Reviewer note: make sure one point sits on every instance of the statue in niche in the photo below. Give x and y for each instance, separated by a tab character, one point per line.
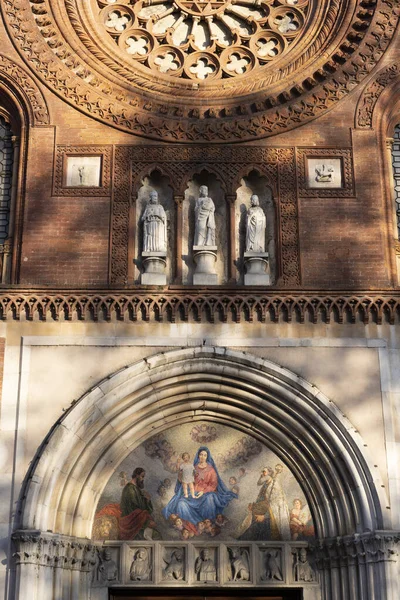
302	568
204	566
174	568
272	568
141	565
107	568
154	226
240	564
204	233
255	226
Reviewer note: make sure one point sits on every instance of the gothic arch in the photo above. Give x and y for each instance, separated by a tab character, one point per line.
276	406
25	94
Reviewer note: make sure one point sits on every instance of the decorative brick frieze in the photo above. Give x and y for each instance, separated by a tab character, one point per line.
226	304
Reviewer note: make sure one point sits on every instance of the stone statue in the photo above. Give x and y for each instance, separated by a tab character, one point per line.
204	566
174	569
141	566
302	568
107	568
154	226
204	233
255	227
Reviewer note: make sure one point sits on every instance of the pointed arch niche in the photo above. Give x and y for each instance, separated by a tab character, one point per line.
154	179
257	184
256	398
216	191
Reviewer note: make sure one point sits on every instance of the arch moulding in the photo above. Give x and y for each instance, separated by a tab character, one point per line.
288	414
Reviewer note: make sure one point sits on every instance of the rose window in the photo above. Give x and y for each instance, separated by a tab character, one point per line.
204	39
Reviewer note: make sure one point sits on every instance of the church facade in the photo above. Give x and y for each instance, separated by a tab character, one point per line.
199	299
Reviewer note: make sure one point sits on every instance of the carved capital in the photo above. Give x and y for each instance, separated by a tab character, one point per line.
357	549
52	550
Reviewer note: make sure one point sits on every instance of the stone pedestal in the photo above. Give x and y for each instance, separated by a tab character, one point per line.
205	258
257	268
154	264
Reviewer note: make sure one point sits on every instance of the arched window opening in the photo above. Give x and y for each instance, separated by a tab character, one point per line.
7	163
396	174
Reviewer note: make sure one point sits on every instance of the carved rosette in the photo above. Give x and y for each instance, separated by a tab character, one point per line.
108	58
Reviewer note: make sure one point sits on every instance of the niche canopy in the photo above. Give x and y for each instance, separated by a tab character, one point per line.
204	40
200	71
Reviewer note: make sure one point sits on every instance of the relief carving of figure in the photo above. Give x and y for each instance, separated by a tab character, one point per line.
302	568
204	233
107	569
204	567
255	227
141	566
240	564
174	568
154	226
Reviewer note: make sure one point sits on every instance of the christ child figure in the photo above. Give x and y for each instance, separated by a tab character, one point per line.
186	475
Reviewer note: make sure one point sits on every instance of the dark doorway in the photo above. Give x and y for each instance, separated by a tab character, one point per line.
195	594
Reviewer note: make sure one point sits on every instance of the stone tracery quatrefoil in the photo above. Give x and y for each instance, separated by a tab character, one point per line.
213	38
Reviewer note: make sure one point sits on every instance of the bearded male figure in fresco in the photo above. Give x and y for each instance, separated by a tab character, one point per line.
136	522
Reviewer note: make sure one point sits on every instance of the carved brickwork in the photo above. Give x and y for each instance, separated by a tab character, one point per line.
346	189
230	164
108	88
36	104
371	94
227	304
59	187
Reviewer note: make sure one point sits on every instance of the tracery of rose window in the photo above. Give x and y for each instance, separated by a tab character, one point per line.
201	39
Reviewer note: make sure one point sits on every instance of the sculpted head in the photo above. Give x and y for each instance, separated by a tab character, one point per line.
203	191
254	200
141	554
153	196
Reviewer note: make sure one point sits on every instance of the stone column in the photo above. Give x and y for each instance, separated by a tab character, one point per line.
179	233
361	566
231	199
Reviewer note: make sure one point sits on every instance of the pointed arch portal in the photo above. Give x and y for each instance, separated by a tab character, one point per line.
286	413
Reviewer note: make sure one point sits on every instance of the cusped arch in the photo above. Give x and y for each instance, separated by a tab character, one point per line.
262	171
252	394
198	170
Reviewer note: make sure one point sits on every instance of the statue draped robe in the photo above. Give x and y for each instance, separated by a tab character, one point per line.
154	229
255	233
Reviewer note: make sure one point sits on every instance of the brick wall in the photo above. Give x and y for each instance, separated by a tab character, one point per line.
66	242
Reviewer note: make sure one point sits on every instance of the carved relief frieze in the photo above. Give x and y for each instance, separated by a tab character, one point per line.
36	104
101	82
230	165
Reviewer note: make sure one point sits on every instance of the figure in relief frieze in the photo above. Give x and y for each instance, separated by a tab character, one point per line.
107	568
255	226
204	567
175	567
204	233
302	568
154	225
141	565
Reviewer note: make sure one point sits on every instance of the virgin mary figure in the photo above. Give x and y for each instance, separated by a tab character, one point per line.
211	498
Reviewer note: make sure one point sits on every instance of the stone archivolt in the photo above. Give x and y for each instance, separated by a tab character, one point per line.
67	48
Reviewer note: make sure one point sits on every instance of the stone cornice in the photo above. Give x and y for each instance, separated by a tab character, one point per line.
181	304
